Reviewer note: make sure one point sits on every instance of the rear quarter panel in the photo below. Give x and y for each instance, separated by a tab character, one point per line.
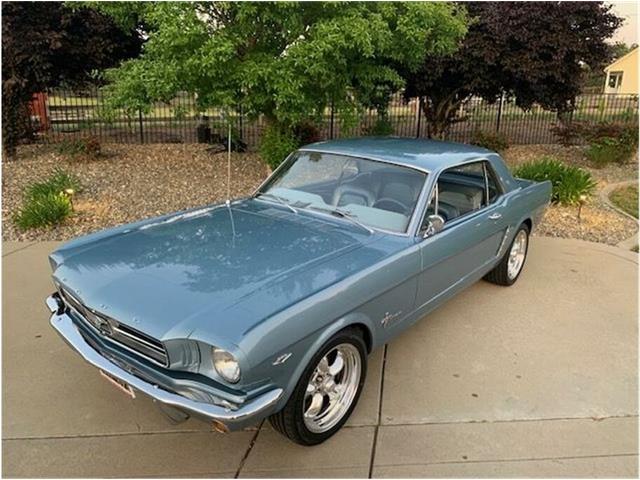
524	199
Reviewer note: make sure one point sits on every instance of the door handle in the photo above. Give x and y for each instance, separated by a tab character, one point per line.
495	216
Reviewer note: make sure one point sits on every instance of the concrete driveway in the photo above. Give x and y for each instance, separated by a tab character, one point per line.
536	380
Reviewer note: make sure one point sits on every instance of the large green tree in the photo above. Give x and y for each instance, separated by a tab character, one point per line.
46	44
534	51
284	60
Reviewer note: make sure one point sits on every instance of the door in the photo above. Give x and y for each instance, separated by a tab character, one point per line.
469	199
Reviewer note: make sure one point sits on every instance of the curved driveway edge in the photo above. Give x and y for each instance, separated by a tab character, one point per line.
632	241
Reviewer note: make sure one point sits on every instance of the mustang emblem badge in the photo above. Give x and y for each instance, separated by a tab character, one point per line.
389	317
281	359
104	327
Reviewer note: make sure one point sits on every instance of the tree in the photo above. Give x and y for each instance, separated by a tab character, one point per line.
46	44
285	60
533	51
594	79
620	49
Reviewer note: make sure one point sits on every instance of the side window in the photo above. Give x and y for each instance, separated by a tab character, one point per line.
615	79
463	189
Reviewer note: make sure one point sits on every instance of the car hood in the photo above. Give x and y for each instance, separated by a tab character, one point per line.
225	267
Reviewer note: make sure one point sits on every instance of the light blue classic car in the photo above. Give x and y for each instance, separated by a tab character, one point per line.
267	306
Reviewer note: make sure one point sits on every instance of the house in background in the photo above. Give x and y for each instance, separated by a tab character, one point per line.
622	75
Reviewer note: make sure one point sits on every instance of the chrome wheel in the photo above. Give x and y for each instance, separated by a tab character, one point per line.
332	387
517	254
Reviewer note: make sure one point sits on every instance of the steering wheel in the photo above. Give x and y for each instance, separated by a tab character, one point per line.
392	205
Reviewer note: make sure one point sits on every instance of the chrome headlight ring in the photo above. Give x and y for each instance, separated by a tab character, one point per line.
225	364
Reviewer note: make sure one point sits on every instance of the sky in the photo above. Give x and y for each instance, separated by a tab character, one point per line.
628	32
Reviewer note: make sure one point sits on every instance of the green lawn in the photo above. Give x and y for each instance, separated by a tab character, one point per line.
626	198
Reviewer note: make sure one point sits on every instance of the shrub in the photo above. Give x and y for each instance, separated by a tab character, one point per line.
381	128
220	136
607	148
47	203
608	142
568	133
276	144
44	210
568	183
600	130
58	182
491	141
306	132
88	147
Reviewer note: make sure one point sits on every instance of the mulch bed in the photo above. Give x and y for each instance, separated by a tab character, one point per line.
131	182
128	183
598	222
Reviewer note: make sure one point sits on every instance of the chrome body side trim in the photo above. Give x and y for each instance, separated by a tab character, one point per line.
244	415
500	251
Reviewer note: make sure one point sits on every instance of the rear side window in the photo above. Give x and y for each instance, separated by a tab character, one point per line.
493	187
464	189
461	190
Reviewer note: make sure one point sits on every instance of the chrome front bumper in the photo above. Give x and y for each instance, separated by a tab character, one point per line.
245	415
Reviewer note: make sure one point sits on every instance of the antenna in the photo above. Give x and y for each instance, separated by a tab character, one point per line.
229	164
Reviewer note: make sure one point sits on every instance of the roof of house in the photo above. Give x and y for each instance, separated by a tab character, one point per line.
618	60
429	155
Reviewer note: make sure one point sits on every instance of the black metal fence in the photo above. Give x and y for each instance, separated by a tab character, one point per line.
62	114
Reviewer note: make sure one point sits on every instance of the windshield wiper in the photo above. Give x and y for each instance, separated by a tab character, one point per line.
338	212
277	198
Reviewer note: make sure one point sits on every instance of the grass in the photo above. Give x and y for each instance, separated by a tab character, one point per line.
626	198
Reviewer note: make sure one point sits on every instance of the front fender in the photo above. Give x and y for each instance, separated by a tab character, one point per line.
312	344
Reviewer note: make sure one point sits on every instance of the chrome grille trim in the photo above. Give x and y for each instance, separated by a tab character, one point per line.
139	339
120	334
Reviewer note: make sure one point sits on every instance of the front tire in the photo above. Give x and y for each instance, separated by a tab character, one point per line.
508	270
327	391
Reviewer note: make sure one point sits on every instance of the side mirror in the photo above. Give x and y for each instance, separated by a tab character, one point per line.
435	223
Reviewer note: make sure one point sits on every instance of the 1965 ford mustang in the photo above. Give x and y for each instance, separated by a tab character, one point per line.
267	306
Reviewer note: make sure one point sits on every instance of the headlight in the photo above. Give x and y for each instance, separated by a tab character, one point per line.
226	365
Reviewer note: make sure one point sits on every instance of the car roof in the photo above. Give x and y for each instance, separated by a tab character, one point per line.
429	155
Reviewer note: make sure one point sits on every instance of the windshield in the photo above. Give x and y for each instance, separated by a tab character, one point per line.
370	193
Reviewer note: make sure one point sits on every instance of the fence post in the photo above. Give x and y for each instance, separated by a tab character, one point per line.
140	123
331	121
499	117
419	114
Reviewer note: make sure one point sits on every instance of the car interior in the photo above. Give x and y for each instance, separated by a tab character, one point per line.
382	195
462	190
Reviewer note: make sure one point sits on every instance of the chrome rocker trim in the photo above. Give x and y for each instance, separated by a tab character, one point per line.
245	415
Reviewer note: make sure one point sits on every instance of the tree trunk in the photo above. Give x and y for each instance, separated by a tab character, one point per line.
440	113
15	117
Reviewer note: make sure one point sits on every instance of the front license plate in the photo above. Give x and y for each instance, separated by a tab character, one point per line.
120	385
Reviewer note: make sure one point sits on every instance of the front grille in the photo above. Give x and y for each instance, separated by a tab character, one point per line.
118	333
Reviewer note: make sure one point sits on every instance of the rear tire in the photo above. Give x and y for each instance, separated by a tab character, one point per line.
308	418
508	270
